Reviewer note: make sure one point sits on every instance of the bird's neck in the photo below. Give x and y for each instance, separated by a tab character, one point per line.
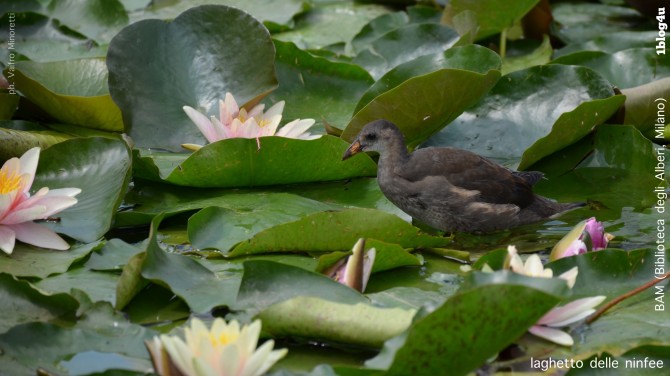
395	155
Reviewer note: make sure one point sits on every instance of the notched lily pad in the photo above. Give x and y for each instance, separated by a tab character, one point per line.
423	95
239	163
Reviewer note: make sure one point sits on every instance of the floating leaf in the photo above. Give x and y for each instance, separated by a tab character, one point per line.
266	283
624	69
28	304
15	142
420	96
336	231
491	17
29	261
186	277
390	50
515	114
315	318
96	19
189	49
100	167
73	91
314	87
240	163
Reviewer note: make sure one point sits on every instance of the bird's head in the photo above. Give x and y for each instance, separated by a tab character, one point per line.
377	136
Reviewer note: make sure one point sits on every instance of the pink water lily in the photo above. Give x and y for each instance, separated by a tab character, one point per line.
563	316
236	122
575	242
354	271
18	209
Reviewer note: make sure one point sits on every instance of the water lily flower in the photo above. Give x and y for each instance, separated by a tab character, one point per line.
587	234
224	350
355	270
18	209
563	316
236	122
534	268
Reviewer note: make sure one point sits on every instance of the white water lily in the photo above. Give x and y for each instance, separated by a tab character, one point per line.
533	267
236	122
224	350
18	209
563	316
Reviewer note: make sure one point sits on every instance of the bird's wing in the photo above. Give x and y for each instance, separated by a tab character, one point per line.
467	170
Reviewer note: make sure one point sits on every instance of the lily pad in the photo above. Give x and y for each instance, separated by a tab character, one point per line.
73	91
96	19
315	318
240	163
515	114
29	261
100	167
625	69
420	96
337	231
610	43
186	277
16	142
390	50
314	87
221	228
329	23
28	304
189	49
469	328
491	17
266	283
642	108
99	286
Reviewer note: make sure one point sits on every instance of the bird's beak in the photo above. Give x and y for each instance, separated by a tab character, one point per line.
353	149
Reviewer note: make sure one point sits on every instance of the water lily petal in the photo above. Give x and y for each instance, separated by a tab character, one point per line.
7	239
296	128
563	246
192	147
596	230
41	236
534	267
570	276
228	109
202	122
24	215
571	312
554	335
28	162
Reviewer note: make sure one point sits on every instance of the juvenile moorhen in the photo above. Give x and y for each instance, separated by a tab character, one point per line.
452	189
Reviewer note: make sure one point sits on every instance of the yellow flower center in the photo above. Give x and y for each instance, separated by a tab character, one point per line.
9	181
263	122
222	339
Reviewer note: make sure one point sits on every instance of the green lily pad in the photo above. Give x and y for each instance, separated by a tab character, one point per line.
617	171
28	304
582	22
338	231
377	28
187	278
419	96
514	115
47	345
16	142
221	228
73	91
29	261
266	283
276	15
112	256
100	167
610	43
99	286
625	69
642	108
469	328
388	256
359	324
491	17
329	23
188	52
99	20
314	87
280	160
8	105
390	50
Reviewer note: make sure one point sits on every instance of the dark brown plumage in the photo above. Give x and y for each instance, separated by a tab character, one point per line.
452	189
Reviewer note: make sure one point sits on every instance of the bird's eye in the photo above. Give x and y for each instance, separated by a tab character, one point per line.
371	137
